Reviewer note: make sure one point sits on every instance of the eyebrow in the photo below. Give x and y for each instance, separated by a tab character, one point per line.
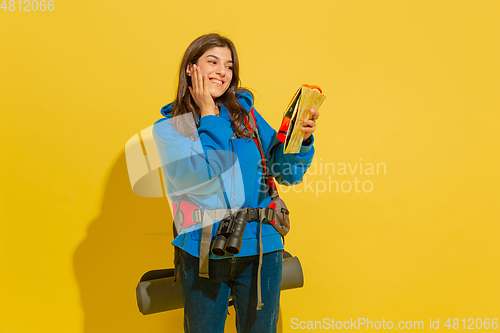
216	57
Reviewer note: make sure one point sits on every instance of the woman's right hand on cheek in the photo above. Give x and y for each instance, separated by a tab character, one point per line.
200	91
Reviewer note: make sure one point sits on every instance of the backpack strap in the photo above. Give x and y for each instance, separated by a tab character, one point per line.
273	192
252	123
282	221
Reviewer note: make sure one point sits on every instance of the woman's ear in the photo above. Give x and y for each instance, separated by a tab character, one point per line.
189	69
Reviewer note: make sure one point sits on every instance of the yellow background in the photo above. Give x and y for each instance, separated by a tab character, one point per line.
412	84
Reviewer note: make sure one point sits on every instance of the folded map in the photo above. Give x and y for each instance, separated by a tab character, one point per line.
306	98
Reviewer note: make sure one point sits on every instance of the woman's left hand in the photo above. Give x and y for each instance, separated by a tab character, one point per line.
310	124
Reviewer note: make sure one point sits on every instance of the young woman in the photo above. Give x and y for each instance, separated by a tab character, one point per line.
212	165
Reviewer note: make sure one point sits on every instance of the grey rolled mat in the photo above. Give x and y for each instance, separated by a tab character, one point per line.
157	292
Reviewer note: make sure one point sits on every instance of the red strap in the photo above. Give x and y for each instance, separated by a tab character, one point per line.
272	206
186	209
270	181
263	160
285	123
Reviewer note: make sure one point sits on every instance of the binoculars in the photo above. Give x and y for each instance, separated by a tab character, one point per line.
229	234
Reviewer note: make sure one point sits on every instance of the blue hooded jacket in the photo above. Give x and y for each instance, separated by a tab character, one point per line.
217	170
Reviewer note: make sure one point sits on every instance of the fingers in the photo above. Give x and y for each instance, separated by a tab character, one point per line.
311	120
200	91
314	114
309	124
200	82
308	131
196	78
196	88
206	85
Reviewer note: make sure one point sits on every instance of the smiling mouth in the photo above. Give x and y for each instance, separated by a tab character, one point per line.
217	82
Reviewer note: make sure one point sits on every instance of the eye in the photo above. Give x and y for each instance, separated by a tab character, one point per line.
230	68
212	62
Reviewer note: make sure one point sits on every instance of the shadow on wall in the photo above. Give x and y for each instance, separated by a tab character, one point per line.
130	236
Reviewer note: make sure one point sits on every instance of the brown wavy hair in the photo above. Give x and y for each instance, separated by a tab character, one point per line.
184	102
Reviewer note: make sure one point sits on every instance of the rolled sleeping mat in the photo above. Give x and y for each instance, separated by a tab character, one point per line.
157	292
292	276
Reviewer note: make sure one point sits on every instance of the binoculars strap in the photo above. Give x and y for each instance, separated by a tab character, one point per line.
208	218
206	237
259	288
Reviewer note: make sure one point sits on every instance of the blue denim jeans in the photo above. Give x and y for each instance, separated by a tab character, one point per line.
206	300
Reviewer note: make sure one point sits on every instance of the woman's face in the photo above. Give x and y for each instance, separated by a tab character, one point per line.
217	64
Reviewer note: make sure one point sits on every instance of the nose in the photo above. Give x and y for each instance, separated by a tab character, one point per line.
221	70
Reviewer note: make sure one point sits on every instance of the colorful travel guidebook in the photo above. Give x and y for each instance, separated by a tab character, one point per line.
306	98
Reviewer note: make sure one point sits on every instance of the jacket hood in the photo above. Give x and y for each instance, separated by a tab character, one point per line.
244	97
165	111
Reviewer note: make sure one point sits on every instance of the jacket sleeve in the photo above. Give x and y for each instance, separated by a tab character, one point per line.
287	169
194	166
